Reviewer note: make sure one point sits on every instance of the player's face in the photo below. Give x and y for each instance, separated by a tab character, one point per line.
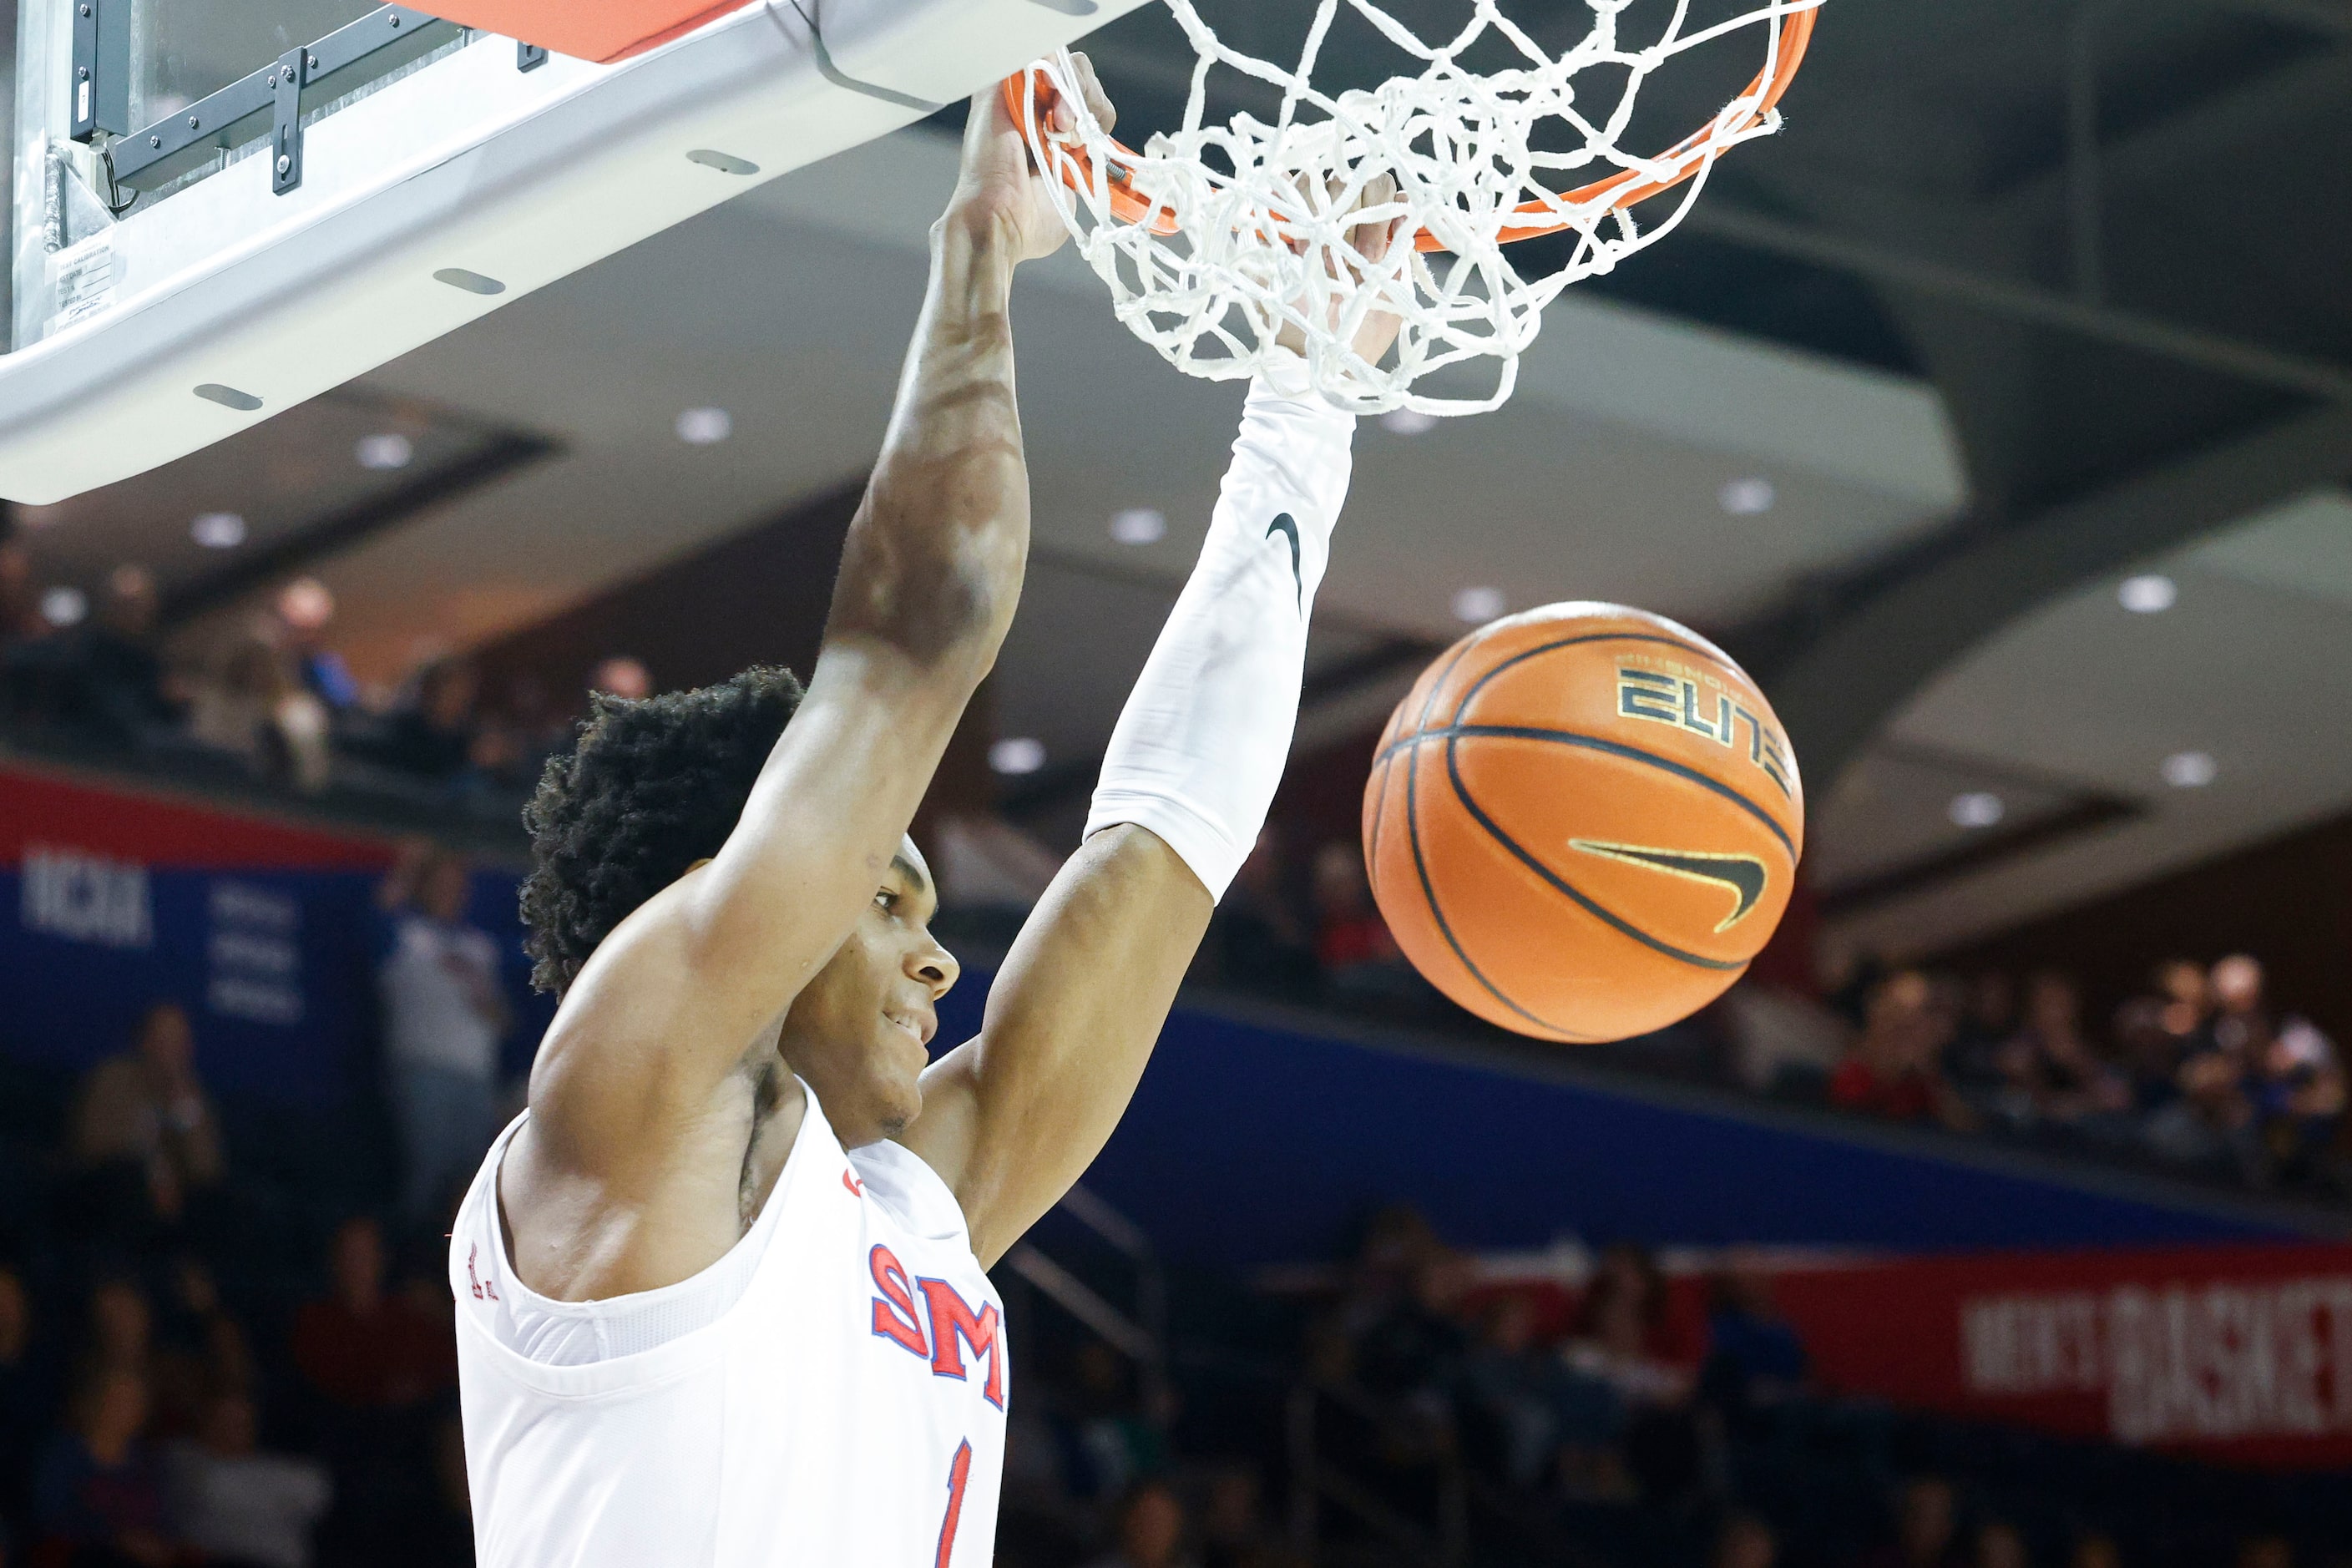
859	1031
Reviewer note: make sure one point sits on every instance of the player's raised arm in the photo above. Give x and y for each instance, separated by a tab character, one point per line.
667	1009
1013	1118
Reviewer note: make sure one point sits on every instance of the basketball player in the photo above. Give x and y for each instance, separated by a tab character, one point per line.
721	1289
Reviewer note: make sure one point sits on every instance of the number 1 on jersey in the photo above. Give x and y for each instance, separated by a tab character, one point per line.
959	1472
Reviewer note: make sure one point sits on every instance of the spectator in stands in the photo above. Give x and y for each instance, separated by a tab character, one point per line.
40	667
2071	1085
21	626
304	608
199	1354
1890	1070
144	1133
123	690
27	1391
1396	1241
1119	1442
2212	1122
2298	1093
1988	1021
2265	1552
120	1334
20	600
254	707
623	677
1510	1395
1746	1541
444	1015
1360	960
1927	1528
2215	1121
1669	1340
1411	1353
540	728
1850	977
1233	1524
2147	1053
431	734
2241	1025
2095	1549
2188	996
242	1507
365	1349
1617	1342
1999	1544
97	1499
1148	1530
378	1363
1263	939
1756	1360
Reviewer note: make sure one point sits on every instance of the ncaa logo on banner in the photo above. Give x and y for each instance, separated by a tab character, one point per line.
82	896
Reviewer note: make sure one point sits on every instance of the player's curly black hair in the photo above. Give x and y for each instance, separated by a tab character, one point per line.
652	787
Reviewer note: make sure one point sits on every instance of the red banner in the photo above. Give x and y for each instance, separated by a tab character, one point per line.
132	824
2239	1353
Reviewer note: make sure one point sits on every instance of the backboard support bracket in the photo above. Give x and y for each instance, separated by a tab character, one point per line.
101	68
285	132
275	90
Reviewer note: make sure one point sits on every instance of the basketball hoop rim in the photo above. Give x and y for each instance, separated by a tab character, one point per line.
1626	188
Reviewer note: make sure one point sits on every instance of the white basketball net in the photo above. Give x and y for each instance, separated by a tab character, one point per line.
1267	245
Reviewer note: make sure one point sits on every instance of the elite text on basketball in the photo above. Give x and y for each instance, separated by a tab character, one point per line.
1676	698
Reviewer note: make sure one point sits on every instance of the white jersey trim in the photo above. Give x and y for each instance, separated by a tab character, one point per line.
576	1333
657	1363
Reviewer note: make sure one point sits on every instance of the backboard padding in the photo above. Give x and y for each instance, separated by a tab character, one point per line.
601	30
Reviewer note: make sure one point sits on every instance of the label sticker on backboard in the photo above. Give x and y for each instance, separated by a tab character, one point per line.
85	275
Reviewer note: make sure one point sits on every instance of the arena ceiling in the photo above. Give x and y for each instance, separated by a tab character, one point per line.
2029	298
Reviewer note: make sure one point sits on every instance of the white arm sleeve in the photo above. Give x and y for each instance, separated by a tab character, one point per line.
1204	736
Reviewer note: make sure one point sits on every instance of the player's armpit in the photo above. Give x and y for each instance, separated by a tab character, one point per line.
1012	1118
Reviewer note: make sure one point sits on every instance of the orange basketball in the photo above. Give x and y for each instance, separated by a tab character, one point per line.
1583	822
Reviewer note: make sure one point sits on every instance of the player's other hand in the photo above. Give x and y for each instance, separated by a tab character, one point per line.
1000	185
1359	264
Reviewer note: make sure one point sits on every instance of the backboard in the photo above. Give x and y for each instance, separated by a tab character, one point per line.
602	30
223	207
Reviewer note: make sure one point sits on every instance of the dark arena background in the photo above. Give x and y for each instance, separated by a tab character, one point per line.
1996	416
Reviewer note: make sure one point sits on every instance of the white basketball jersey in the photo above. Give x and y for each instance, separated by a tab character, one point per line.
847	1410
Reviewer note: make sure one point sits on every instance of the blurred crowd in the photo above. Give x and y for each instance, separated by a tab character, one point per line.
195	1368
1416	1406
241	1352
2202	1072
213	1353
1302	925
273	694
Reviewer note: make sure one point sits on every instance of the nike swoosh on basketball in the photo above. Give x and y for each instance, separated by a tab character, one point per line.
1743	874
1287	526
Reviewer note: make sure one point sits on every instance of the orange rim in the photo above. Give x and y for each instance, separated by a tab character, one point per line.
1624	189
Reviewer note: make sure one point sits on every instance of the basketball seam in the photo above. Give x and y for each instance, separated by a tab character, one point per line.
1595	743
1380	762
1429	891
1588	904
1380	811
